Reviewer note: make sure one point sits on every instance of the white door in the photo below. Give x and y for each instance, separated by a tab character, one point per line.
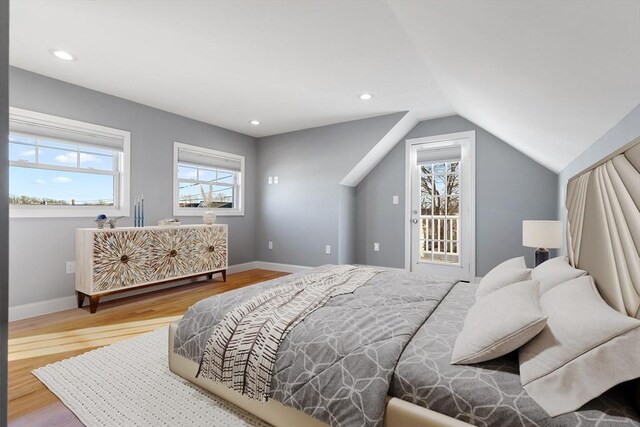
442	215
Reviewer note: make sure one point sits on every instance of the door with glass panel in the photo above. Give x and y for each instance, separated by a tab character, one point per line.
441	214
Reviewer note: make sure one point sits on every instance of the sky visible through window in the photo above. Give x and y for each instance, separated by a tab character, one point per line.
217	187
61	174
58	185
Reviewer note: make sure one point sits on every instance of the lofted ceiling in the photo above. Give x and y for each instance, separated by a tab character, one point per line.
548	77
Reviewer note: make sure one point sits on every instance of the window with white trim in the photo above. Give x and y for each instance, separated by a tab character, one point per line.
65	168
207	180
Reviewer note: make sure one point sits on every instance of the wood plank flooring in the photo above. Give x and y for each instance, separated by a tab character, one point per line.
46	339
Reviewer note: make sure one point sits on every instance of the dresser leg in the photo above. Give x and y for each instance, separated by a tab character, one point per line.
224	275
93	303
80	296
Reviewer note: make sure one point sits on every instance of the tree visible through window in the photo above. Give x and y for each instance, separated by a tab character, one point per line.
440	212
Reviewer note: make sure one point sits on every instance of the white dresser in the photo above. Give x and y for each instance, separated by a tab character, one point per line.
116	260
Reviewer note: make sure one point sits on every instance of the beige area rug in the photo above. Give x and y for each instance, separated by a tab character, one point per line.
129	384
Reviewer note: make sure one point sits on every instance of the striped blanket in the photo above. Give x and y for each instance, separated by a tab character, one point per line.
241	351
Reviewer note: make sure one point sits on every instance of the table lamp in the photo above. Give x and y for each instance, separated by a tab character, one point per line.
542	235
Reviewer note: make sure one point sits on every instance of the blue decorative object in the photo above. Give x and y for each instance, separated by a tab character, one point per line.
101	216
138	212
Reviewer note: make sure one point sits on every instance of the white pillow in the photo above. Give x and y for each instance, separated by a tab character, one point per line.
511	271
553	272
500	323
586	348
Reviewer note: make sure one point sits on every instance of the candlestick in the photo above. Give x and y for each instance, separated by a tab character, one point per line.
135	212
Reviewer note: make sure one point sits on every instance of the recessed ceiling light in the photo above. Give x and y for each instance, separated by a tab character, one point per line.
255	122
365	96
63	54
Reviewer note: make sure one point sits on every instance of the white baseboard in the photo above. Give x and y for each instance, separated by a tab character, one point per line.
242	267
40	308
25	311
287	268
291	268
400	270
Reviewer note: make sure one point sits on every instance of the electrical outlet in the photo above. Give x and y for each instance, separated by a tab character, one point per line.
327	249
376	247
71	267
270	180
395	200
275	179
270	245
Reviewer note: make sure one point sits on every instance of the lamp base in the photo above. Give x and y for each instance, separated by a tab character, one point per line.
542	255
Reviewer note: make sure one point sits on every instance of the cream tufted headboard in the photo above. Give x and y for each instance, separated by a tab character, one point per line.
603	227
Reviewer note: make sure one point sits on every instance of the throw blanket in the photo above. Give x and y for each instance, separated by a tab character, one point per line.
241	352
338	363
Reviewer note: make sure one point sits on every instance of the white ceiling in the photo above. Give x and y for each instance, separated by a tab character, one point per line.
291	65
549	77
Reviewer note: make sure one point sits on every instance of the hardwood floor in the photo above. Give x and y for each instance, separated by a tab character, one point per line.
46	339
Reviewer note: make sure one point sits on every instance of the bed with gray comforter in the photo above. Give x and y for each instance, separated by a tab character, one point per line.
394	335
488	393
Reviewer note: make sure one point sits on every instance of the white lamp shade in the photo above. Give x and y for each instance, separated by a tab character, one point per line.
542	234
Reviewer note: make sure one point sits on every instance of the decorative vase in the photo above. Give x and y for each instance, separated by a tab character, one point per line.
209	217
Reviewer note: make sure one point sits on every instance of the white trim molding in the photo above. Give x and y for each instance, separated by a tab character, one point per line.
287	268
39	308
380	150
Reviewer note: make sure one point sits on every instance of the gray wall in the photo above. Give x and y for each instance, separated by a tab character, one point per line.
4	206
300	213
37	267
377	218
625	131
510	187
346	225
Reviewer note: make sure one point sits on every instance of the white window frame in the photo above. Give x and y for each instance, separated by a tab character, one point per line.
181	211
122	178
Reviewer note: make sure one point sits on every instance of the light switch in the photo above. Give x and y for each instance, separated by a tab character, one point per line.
270	245
275	179
71	267
395	200
270	180
376	247
327	249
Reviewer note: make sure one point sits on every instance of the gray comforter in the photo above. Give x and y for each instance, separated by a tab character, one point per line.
337	364
489	393
394	336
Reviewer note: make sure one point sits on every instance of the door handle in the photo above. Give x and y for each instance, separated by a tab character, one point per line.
415	221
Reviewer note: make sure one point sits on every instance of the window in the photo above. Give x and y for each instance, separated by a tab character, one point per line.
440	211
206	179
65	168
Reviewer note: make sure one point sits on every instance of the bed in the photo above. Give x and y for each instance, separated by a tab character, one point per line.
381	355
